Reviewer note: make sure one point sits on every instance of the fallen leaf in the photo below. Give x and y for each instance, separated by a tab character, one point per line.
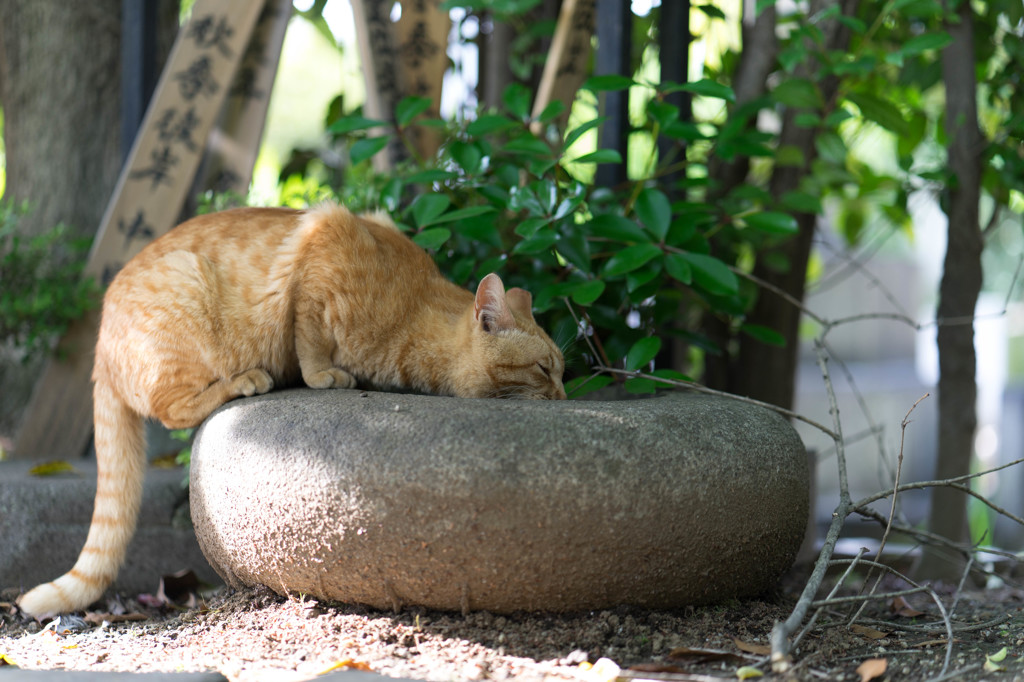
747	672
901	607
51	468
703	655
347	664
7	660
758	649
992	661
872	668
870	633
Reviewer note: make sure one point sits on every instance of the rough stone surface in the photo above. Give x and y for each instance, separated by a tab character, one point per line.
44	522
391	499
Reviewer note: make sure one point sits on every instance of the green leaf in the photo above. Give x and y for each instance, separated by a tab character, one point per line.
364	149
582	129
711	274
654	211
607	82
631	258
542	241
432	238
772	222
642	352
712	11
664	113
350	124
391	195
797	93
641	385
430	175
529	226
426	207
467	154
831	147
710	88
409	108
765	335
462	213
490	123
600	156
801	202
672	375
527	144
678	267
881	111
919	44
481	229
581	386
517	100
588	292
611	226
553	110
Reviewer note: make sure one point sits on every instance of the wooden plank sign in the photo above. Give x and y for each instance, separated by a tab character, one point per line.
399	59
421	35
146	202
234	143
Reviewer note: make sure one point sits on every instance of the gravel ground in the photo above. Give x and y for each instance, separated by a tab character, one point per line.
258	635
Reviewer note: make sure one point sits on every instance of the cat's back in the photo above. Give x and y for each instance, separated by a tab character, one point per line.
225	235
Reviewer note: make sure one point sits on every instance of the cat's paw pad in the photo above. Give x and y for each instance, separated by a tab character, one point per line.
332	377
253	382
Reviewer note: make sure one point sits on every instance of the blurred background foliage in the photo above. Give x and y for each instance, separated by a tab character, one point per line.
661	271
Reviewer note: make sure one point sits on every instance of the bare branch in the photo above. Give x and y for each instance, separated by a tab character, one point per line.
860	504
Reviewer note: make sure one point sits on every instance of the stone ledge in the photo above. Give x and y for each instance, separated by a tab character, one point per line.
393	499
45	520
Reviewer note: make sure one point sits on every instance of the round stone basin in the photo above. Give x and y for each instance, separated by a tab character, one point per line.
392	499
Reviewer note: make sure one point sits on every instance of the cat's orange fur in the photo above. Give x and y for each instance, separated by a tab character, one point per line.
234	303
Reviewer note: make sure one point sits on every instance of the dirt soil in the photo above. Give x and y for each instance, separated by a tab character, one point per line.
256	634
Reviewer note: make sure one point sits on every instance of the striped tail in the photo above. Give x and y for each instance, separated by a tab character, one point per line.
121	465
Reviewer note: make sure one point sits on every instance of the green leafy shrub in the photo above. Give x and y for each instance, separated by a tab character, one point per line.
610	268
43	290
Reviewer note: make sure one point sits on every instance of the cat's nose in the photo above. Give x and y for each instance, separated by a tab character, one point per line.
559	392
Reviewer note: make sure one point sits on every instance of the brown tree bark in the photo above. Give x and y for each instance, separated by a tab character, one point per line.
760	47
60	89
759	370
958	295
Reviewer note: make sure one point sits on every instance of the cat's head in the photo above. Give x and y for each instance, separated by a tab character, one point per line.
511	356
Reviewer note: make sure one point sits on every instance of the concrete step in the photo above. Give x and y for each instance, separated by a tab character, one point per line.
44	521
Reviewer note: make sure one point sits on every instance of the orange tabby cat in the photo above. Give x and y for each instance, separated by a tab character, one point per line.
234	303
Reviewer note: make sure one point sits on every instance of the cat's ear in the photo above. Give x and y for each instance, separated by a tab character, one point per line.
491	310
520	301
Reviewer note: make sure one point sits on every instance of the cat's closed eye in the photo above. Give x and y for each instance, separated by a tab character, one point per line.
544	369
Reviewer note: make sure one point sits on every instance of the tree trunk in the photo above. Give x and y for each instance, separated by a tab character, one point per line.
757	59
60	89
768	372
958	295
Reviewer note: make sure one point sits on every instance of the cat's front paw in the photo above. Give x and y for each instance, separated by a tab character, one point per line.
253	382
331	377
